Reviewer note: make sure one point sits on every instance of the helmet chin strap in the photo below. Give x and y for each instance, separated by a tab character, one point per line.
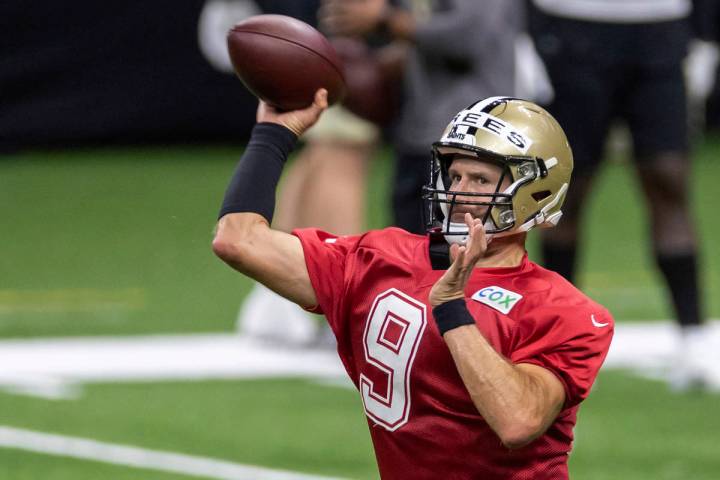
460	231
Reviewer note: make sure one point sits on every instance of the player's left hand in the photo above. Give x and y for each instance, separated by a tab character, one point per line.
451	285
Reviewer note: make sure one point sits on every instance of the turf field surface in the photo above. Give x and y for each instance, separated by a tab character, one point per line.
117	243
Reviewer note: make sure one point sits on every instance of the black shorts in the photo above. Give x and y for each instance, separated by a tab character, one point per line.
602	72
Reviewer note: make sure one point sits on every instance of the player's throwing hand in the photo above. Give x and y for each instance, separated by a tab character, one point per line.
451	285
298	121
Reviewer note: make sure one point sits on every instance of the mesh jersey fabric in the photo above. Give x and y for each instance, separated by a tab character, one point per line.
373	289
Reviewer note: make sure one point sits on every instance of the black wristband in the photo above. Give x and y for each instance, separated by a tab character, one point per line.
252	187
451	315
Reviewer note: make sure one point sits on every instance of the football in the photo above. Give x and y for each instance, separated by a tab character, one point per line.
284	61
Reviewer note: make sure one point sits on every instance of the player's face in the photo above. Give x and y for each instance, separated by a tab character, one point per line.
469	174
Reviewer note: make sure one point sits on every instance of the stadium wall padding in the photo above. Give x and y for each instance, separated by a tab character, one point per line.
87	72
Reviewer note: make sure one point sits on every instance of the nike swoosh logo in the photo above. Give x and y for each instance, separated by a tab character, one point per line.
598	324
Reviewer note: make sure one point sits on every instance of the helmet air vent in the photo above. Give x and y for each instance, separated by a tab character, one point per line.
541	195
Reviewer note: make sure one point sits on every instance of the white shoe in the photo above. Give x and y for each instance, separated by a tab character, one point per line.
690	370
267	316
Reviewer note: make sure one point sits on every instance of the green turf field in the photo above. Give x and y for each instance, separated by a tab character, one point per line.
629	428
117	242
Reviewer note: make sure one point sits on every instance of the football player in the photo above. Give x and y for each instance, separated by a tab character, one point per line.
610	61
470	360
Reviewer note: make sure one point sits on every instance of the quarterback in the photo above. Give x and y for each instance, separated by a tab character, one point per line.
470	360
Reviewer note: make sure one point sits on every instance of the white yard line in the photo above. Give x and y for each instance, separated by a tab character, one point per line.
86	449
57	368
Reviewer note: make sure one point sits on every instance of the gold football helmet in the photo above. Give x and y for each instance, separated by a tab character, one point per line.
530	146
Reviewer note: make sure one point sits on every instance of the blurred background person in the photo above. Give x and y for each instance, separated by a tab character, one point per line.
611	60
457	50
706	23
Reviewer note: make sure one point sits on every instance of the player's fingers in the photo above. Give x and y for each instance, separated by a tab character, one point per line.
476	244
477	233
454	251
470	243
321	99
468	219
458	264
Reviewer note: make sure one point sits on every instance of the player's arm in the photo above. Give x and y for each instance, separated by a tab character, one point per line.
519	402
243	237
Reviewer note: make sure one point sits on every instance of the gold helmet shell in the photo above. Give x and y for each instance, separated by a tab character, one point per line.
533	150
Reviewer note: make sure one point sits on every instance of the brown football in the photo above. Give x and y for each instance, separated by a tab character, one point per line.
283	61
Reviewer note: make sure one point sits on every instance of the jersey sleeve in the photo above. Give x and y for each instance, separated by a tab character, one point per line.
570	342
326	257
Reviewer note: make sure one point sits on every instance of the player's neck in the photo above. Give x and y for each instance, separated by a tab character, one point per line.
503	252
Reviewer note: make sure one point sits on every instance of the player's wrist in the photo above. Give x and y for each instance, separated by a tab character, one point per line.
452	314
276	133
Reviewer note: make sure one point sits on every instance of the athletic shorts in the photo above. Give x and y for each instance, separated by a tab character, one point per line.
338	124
602	72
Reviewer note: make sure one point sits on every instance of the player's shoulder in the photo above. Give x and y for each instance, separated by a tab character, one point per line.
396	243
392	236
390	242
550	293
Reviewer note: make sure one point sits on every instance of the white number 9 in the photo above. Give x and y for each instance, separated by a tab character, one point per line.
393	331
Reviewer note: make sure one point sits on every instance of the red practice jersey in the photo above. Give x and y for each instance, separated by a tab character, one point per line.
374	290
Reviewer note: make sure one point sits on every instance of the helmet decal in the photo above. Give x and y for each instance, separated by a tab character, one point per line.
466	124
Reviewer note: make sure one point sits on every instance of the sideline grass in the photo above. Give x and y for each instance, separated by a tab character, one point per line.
287	424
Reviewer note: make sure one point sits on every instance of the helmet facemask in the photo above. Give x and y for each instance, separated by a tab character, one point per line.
498	218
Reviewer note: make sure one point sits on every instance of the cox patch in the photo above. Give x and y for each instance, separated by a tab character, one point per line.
498	298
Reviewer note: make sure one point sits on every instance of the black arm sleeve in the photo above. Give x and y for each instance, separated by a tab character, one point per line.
252	187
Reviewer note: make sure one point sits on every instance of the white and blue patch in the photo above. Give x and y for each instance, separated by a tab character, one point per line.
498	298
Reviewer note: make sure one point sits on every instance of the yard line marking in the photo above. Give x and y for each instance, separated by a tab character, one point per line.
86	449
57	368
